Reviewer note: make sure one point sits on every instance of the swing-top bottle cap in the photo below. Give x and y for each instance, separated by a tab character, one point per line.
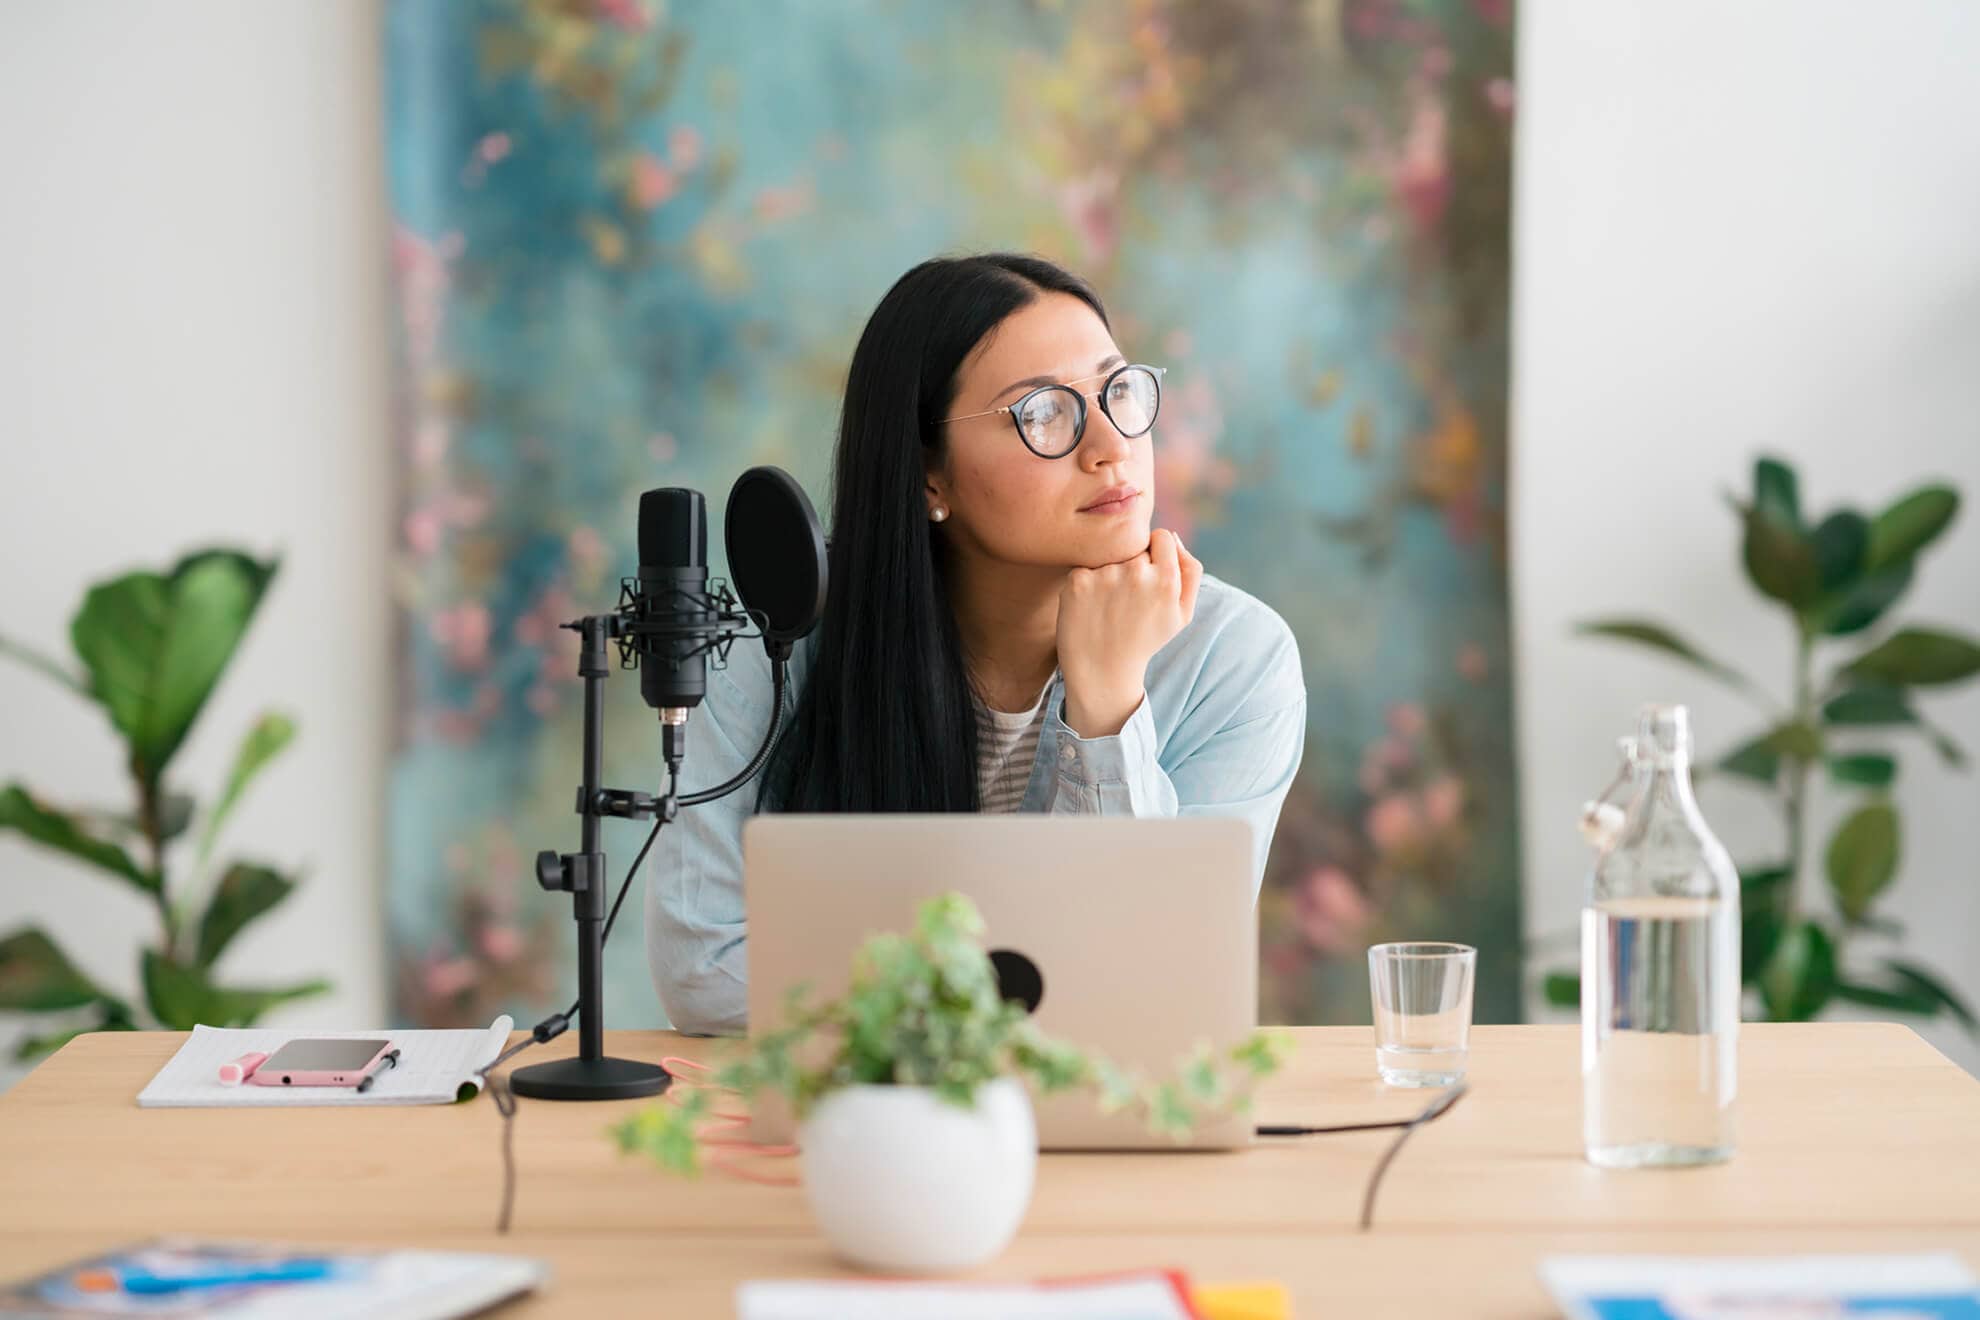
1663	732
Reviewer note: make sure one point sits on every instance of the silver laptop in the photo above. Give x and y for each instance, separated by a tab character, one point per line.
1142	934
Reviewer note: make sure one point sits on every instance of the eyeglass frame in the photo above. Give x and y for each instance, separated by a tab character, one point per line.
1079	422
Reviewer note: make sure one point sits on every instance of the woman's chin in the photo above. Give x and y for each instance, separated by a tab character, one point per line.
1112	545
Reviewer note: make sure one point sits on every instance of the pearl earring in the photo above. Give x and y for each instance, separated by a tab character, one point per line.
938	514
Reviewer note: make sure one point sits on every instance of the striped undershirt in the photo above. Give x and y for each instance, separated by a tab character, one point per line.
1006	745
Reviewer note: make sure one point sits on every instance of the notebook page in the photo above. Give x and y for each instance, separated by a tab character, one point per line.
433	1067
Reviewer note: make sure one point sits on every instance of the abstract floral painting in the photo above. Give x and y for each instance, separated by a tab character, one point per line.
634	243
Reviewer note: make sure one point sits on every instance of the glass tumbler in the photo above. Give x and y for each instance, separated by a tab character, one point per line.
1422	999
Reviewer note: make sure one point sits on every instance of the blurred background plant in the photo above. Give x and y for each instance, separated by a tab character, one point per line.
1836	578
499	957
151	648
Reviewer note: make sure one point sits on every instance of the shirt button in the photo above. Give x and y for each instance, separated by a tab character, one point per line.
1067	754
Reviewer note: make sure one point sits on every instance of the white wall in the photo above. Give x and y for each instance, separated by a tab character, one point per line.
1740	227
193	303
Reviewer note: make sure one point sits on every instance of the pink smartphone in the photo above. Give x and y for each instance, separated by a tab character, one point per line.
320	1062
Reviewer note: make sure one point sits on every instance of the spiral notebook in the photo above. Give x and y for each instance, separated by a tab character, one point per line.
218	1280
435	1068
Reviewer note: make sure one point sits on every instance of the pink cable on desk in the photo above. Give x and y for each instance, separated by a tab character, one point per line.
676	1065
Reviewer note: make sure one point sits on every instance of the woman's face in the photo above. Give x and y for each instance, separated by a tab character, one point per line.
1091	507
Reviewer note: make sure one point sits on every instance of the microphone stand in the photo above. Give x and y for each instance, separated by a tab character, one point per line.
592	1074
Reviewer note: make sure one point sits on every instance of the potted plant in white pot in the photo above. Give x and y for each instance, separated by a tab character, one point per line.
916	1137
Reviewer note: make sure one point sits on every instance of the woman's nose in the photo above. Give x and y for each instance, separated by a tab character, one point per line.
1103	442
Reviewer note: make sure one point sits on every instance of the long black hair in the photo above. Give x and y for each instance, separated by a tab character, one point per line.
885	721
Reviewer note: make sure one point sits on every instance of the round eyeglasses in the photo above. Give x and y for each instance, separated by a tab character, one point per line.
1051	420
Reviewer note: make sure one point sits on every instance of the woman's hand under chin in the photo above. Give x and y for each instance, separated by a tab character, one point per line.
1112	619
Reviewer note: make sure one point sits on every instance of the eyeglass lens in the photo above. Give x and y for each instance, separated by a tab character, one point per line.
1052	419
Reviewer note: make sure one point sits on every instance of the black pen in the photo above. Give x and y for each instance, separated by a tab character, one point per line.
391	1060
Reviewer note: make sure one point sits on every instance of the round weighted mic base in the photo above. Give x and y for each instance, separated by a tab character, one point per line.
590	1079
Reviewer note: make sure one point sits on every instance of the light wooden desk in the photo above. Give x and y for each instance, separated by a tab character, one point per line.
1854	1137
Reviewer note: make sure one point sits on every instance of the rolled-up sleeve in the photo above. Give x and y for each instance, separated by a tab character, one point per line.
695	925
1241	764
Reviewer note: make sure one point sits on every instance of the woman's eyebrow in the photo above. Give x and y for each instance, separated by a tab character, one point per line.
1112	359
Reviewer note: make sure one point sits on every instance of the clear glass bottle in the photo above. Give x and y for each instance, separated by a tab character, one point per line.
1660	975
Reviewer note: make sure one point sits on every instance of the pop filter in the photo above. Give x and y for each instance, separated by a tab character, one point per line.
776	555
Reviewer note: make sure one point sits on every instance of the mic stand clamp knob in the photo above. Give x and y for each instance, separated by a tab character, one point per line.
573	873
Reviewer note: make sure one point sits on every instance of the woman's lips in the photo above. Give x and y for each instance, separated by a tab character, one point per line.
1119	503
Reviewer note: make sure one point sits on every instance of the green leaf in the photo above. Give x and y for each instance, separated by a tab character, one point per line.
178	995
1841	542
264	742
1949	751
182	998
666	1134
1761	758
175	813
1870	705
1917	978
1863	601
114	1018
1800	977
1760	903
34	1047
1562	989
1169	1112
1919	657
243	1005
1753	760
1776	490
1761	882
64	832
155	646
1863	858
1880	705
1871	769
245	892
1780	558
1118	1088
36	977
1760	931
47	666
1663	639
1911	524
1263	1053
1897	1001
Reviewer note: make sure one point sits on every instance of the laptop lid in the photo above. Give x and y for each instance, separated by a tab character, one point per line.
1141	933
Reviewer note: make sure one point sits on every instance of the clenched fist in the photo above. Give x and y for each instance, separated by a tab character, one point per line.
1111	620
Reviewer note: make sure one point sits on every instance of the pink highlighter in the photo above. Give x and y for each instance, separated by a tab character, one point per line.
233	1074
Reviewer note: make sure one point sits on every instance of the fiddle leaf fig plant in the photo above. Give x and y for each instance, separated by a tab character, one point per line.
1835	581
150	647
924	1010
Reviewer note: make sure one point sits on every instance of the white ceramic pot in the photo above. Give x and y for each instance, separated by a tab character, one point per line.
903	1182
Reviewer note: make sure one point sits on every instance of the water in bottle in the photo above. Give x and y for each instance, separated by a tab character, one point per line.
1660	974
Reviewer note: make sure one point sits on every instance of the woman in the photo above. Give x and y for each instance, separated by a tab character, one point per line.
1002	631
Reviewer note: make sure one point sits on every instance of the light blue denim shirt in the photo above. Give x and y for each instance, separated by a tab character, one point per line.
1219	734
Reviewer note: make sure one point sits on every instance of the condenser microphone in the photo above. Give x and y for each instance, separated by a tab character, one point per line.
673	614
667	622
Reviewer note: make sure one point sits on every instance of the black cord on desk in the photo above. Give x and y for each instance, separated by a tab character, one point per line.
548	1029
1436	1109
